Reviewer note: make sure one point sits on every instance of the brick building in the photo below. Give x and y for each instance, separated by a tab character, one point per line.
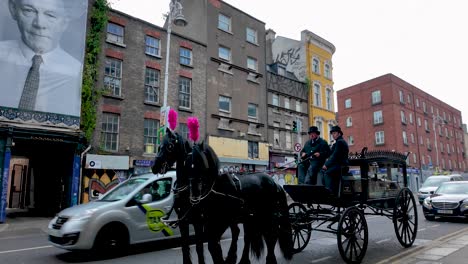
132	78
389	113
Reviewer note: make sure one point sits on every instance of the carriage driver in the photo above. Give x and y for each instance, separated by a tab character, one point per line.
337	164
317	150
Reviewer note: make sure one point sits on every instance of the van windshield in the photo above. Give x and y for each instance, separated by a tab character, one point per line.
123	189
434	181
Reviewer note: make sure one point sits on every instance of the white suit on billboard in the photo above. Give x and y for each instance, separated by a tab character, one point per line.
60	78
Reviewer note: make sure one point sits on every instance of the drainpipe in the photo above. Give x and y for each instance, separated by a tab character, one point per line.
81	172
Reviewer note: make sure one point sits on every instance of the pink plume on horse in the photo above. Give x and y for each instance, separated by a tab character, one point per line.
172	119
193	125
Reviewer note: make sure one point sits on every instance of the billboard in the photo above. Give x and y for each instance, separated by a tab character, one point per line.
42	44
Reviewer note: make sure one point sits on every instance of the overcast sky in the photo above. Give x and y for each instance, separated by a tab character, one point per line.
424	42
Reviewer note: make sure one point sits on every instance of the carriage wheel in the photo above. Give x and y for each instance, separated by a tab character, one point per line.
301	227
405	217
352	235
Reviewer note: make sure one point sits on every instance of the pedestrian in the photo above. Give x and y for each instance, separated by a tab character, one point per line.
337	163
313	155
36	73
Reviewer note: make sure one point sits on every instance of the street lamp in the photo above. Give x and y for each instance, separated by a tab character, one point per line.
175	16
439	121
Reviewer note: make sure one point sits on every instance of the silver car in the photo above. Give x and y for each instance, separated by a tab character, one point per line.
128	214
433	182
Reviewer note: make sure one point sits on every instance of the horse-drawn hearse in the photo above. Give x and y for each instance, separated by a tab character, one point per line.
370	190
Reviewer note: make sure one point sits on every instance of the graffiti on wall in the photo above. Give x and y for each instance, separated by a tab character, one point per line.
96	182
285	177
293	58
287	86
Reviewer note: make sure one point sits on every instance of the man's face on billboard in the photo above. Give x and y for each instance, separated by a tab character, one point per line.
41	23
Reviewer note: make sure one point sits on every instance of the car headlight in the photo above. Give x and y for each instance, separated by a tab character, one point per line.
84	216
427	203
464	204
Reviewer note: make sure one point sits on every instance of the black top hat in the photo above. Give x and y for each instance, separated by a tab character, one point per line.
314	129
336	129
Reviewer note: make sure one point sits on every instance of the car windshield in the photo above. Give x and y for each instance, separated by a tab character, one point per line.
123	189
434	181
458	188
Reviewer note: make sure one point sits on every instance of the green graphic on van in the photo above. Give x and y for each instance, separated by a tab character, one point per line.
153	220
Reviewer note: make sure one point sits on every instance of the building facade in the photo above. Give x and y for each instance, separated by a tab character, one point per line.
236	112
389	113
131	76
310	60
287	116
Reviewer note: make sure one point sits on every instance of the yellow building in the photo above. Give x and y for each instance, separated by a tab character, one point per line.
319	74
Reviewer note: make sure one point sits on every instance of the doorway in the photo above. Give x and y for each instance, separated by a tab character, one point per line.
19	184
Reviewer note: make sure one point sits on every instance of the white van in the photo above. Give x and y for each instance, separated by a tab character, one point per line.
433	182
128	214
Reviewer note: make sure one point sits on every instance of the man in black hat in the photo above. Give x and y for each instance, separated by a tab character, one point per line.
337	163
316	150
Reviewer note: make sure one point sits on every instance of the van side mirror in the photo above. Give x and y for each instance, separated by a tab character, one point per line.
431	192
147	198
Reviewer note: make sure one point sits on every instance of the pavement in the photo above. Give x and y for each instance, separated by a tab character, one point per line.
449	249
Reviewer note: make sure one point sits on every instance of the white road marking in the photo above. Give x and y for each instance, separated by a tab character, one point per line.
433	226
383	240
320	259
422	229
24	249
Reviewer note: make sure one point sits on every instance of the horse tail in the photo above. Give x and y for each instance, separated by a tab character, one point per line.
255	236
285	229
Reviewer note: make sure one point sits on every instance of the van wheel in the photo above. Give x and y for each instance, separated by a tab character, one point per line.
112	238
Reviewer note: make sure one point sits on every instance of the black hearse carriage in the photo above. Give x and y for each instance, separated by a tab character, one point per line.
376	184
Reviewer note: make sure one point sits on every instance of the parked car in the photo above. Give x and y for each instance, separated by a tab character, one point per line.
450	199
433	182
128	214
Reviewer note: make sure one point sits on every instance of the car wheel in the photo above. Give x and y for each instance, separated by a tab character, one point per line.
112	238
429	217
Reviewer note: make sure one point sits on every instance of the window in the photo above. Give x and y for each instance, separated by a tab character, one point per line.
252	111
414	158
411	118
151	85
276	124
419	121
253	149
275	100
150	135
350	140
424	107
288	137
347	103
403	117
379	138
110	132
378	117
113	76
276	138
327	71
317	95
412	138
316	65
286	102
252	64
224	53
251	35
115	33
349	121
328	99
185	56
426	125
432	109
405	138
183	130
319	126
376	99
417	102
298	106
224	23
152	46
185	91
409	99
224	104
402	97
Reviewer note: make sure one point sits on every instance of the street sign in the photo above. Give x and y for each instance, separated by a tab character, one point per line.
297	147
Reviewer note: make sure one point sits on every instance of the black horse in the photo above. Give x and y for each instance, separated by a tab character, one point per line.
186	212
256	201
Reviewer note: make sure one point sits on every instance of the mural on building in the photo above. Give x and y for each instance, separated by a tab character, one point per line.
285	177
291	54
97	182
